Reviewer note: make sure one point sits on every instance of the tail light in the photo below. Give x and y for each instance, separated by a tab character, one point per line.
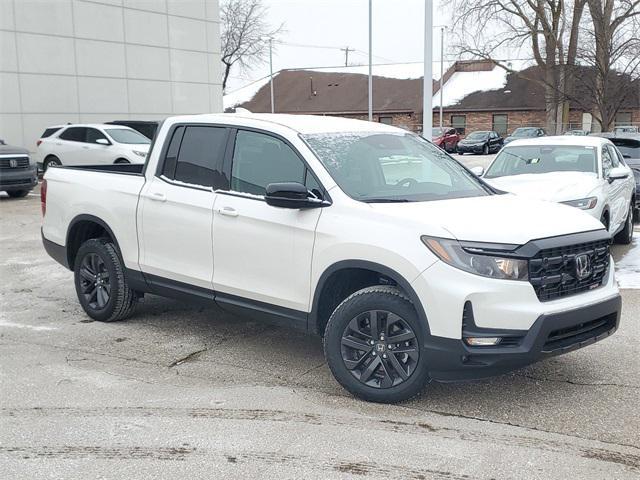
38	142
43	197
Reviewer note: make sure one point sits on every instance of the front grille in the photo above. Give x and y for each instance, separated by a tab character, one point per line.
19	181
554	274
565	337
20	162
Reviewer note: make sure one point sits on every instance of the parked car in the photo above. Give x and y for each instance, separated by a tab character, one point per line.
484	142
446	138
626	129
18	173
408	265
584	172
91	144
578	133
525	132
148	128
629	147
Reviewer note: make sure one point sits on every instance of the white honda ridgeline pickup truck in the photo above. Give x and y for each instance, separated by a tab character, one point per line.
408	265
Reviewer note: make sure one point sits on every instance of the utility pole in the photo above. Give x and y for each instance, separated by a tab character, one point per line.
346	51
442	27
370	61
427	94
273	108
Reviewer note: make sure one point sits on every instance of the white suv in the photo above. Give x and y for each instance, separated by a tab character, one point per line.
588	173
91	145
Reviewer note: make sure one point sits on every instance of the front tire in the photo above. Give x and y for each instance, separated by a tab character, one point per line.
625	236
18	193
373	344
485	150
100	282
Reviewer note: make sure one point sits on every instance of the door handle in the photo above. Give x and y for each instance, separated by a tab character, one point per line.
158	197
228	211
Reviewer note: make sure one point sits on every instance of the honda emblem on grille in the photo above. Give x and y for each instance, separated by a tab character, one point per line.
13	163
583	266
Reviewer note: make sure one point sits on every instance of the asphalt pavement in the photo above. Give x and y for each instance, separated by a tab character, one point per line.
181	392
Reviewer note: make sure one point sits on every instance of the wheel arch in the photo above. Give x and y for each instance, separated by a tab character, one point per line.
319	314
84	227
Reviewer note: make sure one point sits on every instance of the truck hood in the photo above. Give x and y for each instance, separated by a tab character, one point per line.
552	186
494	218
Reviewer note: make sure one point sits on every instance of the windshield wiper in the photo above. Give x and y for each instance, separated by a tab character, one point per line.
384	200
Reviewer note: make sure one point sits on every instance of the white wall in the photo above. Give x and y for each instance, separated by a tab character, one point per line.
97	60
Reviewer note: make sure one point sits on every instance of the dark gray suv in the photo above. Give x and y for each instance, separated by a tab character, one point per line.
18	173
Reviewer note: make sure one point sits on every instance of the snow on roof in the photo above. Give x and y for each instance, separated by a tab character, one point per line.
461	84
458	86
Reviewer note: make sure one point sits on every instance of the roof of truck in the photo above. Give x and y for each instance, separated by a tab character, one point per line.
569	140
305	124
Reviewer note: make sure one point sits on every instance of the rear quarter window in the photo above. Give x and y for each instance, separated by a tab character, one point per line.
50	131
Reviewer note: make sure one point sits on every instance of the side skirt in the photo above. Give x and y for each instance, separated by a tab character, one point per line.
245	307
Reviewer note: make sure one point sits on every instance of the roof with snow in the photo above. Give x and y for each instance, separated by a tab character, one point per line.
397	88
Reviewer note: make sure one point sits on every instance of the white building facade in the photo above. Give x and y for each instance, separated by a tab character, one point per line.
98	60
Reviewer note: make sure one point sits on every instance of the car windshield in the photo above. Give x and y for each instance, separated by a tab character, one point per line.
524	132
392	167
437	132
542	159
478	136
125	135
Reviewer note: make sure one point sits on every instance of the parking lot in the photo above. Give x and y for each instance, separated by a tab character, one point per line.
186	392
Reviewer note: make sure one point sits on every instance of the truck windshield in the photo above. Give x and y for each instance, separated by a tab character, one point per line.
124	135
542	159
392	167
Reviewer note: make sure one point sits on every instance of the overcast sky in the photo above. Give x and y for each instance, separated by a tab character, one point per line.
398	27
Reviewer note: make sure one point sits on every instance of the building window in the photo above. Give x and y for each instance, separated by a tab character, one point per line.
623	118
387	120
459	122
500	124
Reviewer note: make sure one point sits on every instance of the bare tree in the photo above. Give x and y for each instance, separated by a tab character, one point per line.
245	35
611	47
542	27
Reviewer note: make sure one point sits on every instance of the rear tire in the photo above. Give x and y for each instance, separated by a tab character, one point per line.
51	162
381	361
100	282
625	236
18	193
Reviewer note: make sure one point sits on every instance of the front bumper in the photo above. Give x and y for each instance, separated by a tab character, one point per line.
470	148
550	335
18	179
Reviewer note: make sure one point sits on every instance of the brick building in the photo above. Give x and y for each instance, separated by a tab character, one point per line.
477	95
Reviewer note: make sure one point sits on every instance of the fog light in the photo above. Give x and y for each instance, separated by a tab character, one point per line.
482	341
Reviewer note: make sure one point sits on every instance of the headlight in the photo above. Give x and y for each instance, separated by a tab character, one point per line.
456	255
139	153
583	203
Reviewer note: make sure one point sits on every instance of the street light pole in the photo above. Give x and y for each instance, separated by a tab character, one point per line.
427	94
273	108
441	69
370	61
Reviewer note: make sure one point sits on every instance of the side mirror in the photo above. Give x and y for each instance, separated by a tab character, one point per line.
617	173
292	195
478	171
103	141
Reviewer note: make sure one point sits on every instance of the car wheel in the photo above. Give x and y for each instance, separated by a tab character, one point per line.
100	282
485	150
373	345
51	162
18	193
625	236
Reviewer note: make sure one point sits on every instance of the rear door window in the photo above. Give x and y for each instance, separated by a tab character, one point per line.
74	134
195	156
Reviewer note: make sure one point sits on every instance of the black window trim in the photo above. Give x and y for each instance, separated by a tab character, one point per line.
70	127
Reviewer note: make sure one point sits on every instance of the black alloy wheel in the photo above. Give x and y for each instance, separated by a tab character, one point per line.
380	349
95	281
